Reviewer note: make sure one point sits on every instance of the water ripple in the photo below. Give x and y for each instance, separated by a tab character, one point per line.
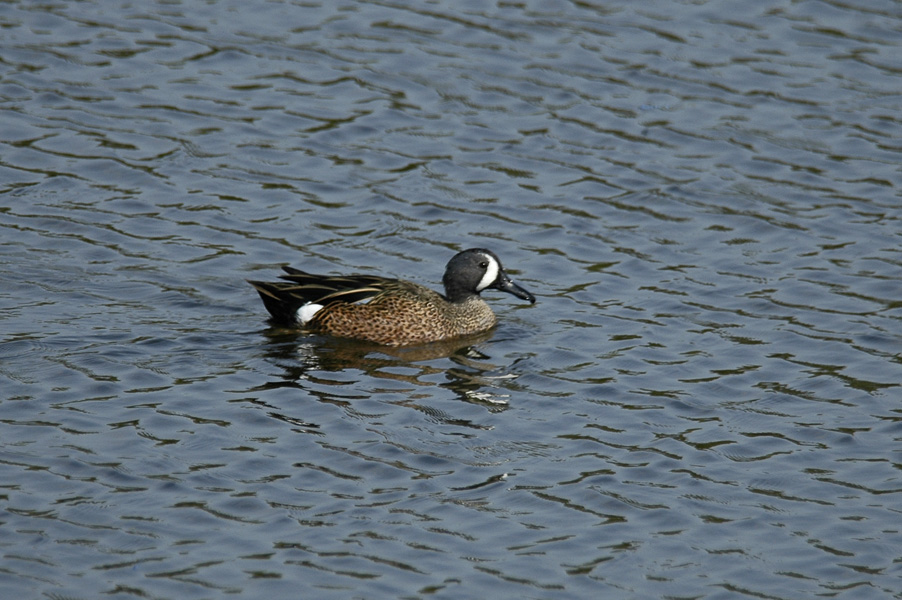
701	403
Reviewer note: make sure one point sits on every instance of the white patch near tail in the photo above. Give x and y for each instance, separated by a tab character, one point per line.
306	312
491	274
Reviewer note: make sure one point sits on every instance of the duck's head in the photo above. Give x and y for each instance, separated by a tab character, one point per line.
477	269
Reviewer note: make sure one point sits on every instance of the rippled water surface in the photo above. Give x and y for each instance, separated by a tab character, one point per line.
705	197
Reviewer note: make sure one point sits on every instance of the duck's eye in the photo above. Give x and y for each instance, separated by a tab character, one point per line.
484	265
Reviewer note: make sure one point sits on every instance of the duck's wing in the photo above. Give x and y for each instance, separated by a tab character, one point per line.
325	289
283	298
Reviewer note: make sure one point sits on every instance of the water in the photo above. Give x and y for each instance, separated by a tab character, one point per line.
703	403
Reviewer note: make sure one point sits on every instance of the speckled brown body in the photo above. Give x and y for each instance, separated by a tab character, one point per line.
404	314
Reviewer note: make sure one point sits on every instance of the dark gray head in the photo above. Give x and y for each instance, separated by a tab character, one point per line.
474	270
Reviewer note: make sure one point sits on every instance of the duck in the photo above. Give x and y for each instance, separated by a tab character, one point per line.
387	311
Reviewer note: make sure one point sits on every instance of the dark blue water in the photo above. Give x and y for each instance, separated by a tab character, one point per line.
703	403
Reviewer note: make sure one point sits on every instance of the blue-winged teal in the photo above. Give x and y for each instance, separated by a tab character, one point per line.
387	311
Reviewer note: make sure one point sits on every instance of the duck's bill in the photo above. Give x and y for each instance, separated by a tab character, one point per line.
506	285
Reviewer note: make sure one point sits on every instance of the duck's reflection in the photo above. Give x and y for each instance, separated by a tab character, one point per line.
309	362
